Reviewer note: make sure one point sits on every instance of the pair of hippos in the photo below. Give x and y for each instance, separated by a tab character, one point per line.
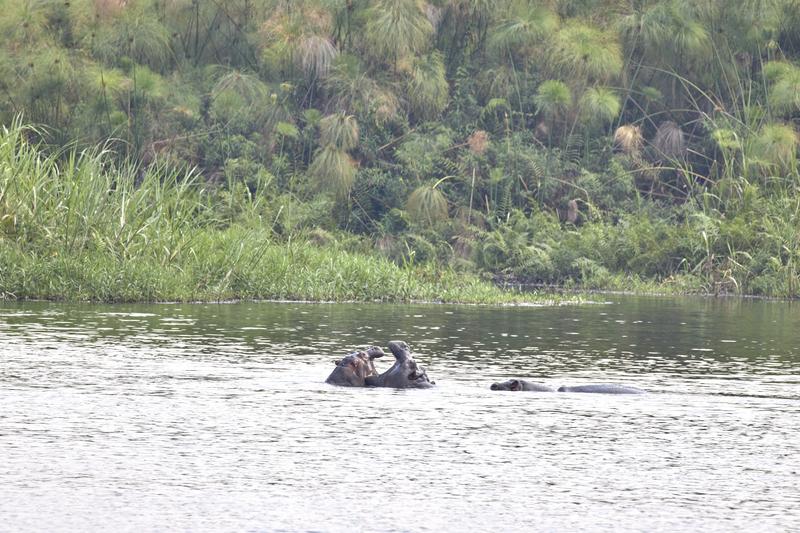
358	370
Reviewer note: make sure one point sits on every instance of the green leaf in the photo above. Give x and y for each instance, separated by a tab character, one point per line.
339	131
285	129
600	105
552	97
427	203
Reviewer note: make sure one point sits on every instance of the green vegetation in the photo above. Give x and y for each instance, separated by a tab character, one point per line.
400	145
76	228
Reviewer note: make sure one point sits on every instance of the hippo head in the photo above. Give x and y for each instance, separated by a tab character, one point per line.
511	384
521	384
355	368
405	373
400	350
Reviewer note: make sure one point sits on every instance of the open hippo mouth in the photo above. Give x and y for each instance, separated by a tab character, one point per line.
405	373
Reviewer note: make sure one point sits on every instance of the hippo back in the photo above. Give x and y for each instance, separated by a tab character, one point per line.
602	388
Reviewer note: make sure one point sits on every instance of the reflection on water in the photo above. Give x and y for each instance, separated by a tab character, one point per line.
216	417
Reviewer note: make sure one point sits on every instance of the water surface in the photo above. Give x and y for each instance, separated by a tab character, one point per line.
217	417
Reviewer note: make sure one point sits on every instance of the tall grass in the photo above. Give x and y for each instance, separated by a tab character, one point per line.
746	218
74	227
78	202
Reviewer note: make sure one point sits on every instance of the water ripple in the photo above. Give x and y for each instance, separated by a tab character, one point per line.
216	417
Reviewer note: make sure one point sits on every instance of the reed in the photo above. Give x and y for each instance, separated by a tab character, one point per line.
74	227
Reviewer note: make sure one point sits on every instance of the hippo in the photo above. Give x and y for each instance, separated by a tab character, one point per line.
355	368
404	374
521	384
602	388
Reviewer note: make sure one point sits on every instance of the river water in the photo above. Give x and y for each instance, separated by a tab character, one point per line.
217	418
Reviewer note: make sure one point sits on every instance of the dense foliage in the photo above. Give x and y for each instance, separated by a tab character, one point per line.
82	229
591	143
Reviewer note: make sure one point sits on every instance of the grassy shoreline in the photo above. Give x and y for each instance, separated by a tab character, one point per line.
266	271
75	228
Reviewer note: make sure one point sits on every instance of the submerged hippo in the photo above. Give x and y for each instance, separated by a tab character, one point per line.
404	374
602	388
354	369
521	384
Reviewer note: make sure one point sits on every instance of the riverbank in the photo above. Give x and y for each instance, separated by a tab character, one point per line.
241	264
73	227
76	227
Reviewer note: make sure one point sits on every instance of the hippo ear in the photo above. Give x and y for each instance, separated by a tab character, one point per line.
337	361
514	384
